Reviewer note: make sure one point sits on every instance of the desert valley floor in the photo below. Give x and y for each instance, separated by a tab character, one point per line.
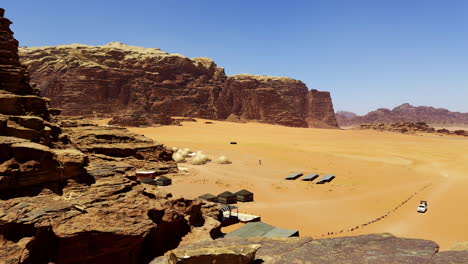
375	172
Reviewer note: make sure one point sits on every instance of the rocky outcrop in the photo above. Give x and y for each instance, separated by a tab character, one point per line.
23	113
28	135
233	254
115	78
405	113
374	248
411	128
68	191
114	220
141	118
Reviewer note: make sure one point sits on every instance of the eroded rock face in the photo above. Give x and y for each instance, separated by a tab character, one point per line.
374	248
114	220
28	135
117	79
68	191
141	118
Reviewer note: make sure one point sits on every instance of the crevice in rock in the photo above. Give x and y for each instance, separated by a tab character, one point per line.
166	236
43	248
16	231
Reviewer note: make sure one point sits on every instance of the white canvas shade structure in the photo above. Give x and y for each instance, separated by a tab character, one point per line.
310	177
326	178
260	229
143	172
227	210
294	176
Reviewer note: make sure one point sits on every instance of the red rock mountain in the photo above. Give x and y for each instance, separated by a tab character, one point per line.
405	113
116	78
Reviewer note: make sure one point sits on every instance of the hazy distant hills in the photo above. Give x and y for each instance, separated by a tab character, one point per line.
405	112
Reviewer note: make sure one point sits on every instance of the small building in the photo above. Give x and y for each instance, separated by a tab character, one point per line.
244	196
227	198
310	177
293	176
163	181
141	175
150	181
260	229
325	179
209	197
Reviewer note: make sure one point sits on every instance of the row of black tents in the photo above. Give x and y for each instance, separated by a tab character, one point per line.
311	177
229	197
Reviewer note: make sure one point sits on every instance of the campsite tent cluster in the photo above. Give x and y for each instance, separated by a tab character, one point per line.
148	177
311	177
229	197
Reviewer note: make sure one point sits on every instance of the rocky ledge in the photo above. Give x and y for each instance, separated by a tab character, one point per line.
116	80
411	128
439	117
374	248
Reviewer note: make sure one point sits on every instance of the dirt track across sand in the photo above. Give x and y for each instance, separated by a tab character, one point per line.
375	172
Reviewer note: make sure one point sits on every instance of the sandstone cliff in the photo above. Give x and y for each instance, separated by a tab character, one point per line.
115	78
405	113
68	192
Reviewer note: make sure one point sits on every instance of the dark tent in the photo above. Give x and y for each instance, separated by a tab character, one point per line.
149	181
209	197
227	197
163	181
244	196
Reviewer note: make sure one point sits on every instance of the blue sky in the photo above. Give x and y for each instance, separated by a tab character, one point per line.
368	54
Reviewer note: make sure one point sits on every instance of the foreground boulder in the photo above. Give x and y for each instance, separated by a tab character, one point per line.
235	254
374	248
120	81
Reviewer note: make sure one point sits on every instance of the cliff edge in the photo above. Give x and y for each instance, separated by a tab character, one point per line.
116	79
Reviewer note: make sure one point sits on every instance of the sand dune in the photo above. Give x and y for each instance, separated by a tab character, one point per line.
376	172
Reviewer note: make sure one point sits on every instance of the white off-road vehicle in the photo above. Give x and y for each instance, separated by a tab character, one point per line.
422	208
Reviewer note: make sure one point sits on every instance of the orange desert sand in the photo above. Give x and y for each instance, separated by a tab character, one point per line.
375	172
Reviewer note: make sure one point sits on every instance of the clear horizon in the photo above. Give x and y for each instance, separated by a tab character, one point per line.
368	54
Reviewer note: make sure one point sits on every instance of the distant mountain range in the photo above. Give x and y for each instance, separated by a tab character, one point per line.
405	112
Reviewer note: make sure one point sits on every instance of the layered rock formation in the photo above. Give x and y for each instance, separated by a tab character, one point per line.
27	132
141	118
68	192
411	128
114	78
405	113
375	248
